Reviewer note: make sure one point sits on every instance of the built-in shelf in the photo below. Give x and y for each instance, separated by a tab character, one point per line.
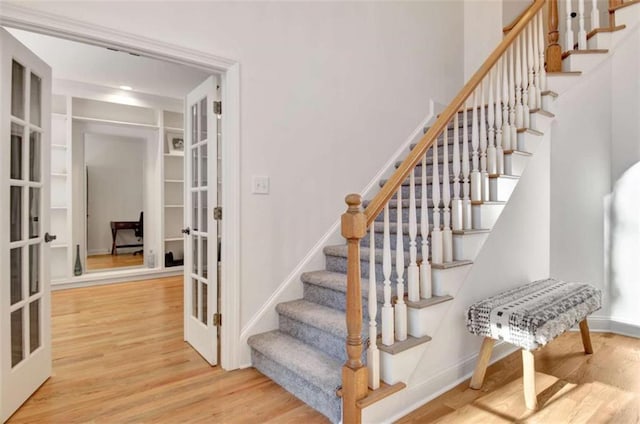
59	146
173	206
108	121
174	181
174	155
59	246
58	208
59	115
174	129
59	174
174	239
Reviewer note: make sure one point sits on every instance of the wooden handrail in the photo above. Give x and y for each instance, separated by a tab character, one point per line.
517	19
391	186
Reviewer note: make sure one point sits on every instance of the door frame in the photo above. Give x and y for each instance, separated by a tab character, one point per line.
20	17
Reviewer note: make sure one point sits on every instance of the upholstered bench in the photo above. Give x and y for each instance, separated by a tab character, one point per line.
529	317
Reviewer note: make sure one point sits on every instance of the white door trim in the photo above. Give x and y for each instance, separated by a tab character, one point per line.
21	17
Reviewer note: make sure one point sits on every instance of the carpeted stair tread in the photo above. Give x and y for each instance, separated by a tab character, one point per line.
340	251
393	203
322	317
418	180
319	369
337	281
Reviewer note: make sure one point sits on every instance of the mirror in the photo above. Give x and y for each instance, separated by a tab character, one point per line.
114	199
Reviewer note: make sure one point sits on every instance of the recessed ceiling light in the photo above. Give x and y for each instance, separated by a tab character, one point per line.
125	87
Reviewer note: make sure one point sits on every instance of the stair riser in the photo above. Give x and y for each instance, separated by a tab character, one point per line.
450	140
327	404
418	190
321	340
393	215
379	239
418	168
336	299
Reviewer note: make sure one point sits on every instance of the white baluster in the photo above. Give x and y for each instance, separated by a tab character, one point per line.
373	354
536	62
492	154
582	33
518	75
506	128
387	309
425	266
499	151
476	184
400	307
512	101
456	202
569	31
484	176
525	81
533	96
447	236
595	15
541	46
413	284
466	201
436	233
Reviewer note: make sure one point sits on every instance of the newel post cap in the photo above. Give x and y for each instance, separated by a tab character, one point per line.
354	221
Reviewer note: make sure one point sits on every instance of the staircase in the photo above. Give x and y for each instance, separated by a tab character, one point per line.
410	250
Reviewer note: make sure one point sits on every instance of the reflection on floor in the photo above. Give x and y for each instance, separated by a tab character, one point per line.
119	356
114	261
572	387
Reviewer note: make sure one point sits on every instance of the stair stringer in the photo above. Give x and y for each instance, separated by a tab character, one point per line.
266	319
513	254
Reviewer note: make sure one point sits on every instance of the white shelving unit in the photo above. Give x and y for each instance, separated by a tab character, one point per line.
61	251
173	190
171	184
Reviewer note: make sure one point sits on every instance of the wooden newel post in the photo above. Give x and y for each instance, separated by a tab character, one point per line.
554	51
354	374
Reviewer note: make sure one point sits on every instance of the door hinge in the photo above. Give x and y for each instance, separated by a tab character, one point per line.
217	319
217	108
217	213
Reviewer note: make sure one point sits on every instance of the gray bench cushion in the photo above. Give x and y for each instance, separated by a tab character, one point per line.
532	315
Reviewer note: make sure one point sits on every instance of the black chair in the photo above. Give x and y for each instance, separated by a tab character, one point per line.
139	232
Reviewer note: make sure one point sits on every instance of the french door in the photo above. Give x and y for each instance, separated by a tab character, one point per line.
201	245
25	298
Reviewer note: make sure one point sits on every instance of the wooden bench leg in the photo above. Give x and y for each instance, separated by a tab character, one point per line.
483	362
529	379
586	338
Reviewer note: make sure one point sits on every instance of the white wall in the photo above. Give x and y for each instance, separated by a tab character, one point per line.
328	91
482	32
512	8
114	188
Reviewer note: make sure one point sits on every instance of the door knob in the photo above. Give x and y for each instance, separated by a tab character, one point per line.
186	231
48	238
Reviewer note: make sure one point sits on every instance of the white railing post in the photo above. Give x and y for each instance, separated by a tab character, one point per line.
525	81
568	38
506	128
447	236
541	47
595	15
425	266
466	190
536	61
499	150
484	176
476	183
532	95
513	127
518	75
373	354
582	32
492	154
387	309
413	285
400	307
436	233
456	202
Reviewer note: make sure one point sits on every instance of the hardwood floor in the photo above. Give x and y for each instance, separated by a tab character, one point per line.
572	387
119	357
95	262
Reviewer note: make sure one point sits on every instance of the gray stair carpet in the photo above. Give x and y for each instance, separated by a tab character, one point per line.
306	353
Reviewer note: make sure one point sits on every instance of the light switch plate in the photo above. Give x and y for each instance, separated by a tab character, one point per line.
259	185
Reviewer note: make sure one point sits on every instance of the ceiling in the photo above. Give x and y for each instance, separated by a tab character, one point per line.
75	61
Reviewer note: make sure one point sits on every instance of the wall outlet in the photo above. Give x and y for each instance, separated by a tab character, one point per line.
259	185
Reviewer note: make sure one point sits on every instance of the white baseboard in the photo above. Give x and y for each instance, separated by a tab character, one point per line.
603	324
113	277
416	396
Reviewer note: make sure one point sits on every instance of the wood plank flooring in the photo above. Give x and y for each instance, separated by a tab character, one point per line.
572	387
96	262
119	356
